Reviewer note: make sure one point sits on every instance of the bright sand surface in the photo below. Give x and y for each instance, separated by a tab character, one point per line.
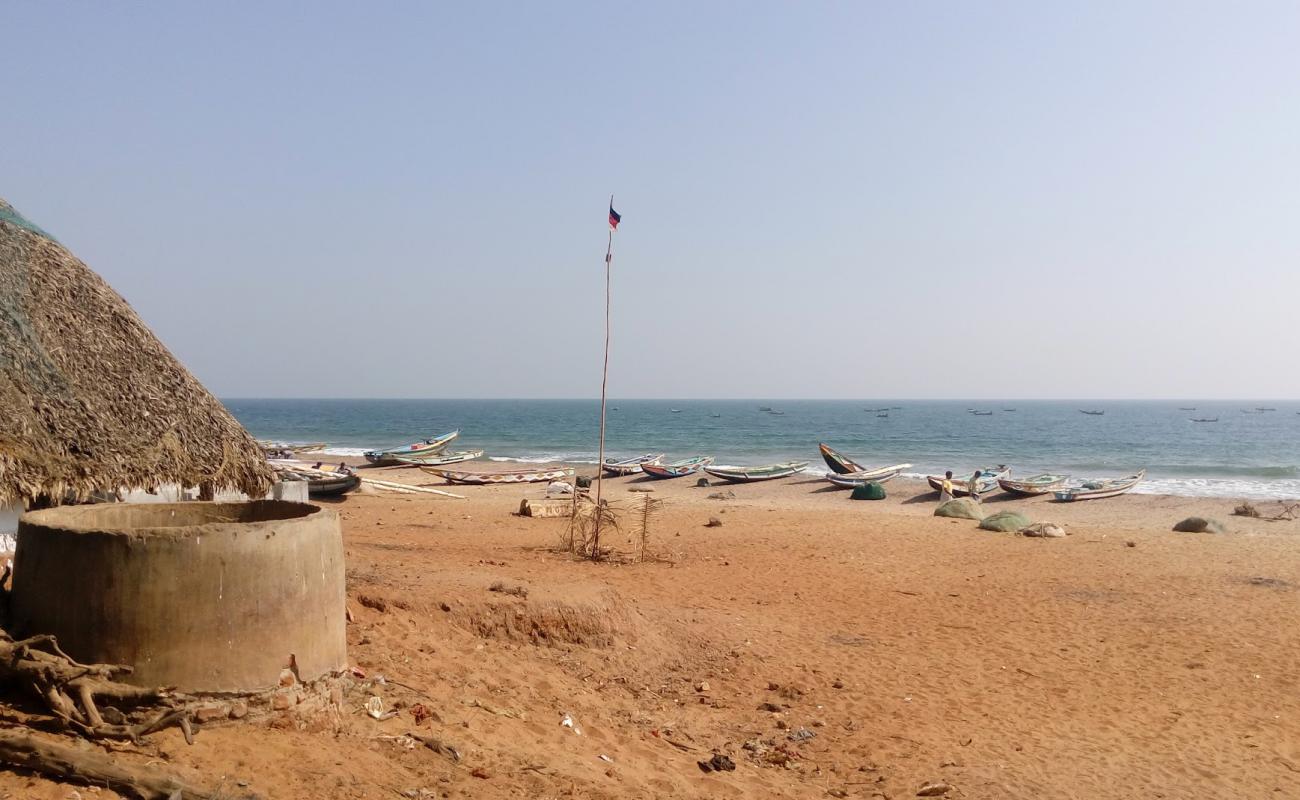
1122	661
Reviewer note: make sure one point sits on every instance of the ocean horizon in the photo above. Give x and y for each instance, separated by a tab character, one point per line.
1251	451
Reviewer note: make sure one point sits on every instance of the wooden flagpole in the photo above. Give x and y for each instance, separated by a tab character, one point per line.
604	381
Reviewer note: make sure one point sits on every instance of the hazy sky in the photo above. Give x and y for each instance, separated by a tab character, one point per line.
819	199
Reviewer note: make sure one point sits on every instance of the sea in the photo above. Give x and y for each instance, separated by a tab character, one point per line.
1251	451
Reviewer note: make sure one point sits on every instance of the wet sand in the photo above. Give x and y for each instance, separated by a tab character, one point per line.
827	647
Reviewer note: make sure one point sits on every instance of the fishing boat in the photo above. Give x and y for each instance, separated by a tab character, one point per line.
1009	410
677	469
852	480
1193	408
1262	409
440	459
1038	484
630	466
1205	419
1092	413
766	472
764	408
989	477
420	449
482	477
322	481
1094	490
839	464
883	415
777	413
332	486
981	413
675	410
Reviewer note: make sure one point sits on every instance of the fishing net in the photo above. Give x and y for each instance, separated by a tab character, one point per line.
868	491
1005	522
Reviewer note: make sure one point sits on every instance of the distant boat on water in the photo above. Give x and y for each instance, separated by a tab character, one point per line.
1009	410
1208	419
1092	413
1193	408
764	408
715	416
675	410
1261	409
981	413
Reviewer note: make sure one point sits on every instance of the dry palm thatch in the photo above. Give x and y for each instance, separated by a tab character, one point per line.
90	400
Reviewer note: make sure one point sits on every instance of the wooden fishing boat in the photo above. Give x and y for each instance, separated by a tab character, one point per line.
677	469
630	466
322	481
482	477
838	463
765	472
852	480
332	486
440	459
421	449
1038	484
1094	490
989	477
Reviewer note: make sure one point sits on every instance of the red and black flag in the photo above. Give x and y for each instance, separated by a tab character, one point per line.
614	218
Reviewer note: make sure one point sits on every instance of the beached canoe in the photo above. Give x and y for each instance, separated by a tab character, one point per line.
1095	490
989	477
481	477
1038	484
765	472
332	486
440	459
630	466
837	462
420	449
677	469
852	480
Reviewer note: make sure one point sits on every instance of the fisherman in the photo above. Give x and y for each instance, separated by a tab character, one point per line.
974	487
945	491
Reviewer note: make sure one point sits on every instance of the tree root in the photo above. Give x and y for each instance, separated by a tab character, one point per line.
75	692
25	751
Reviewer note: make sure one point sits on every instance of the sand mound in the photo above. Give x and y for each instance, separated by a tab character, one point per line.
598	621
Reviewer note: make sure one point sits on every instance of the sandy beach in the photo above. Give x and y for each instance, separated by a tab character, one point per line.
826	647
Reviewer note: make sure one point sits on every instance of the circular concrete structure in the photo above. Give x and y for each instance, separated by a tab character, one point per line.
206	597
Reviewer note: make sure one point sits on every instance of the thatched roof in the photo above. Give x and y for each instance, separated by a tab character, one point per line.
90	400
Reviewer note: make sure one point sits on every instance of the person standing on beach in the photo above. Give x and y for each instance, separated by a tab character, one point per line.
945	490
974	487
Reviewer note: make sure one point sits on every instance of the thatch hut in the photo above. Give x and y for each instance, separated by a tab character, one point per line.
90	400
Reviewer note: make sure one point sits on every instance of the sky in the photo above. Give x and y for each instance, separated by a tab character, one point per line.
819	200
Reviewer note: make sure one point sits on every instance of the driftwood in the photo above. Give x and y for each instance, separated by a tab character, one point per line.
74	692
86	765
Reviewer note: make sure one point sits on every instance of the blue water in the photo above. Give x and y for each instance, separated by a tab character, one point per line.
1243	454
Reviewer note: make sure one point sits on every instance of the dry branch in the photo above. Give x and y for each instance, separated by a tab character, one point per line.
85	765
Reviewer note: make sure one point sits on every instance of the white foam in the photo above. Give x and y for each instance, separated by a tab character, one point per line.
341	451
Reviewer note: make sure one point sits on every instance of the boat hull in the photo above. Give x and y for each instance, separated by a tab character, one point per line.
440	459
852	480
1031	487
630	466
508	476
332	487
423	449
1110	488
766	472
678	469
839	463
